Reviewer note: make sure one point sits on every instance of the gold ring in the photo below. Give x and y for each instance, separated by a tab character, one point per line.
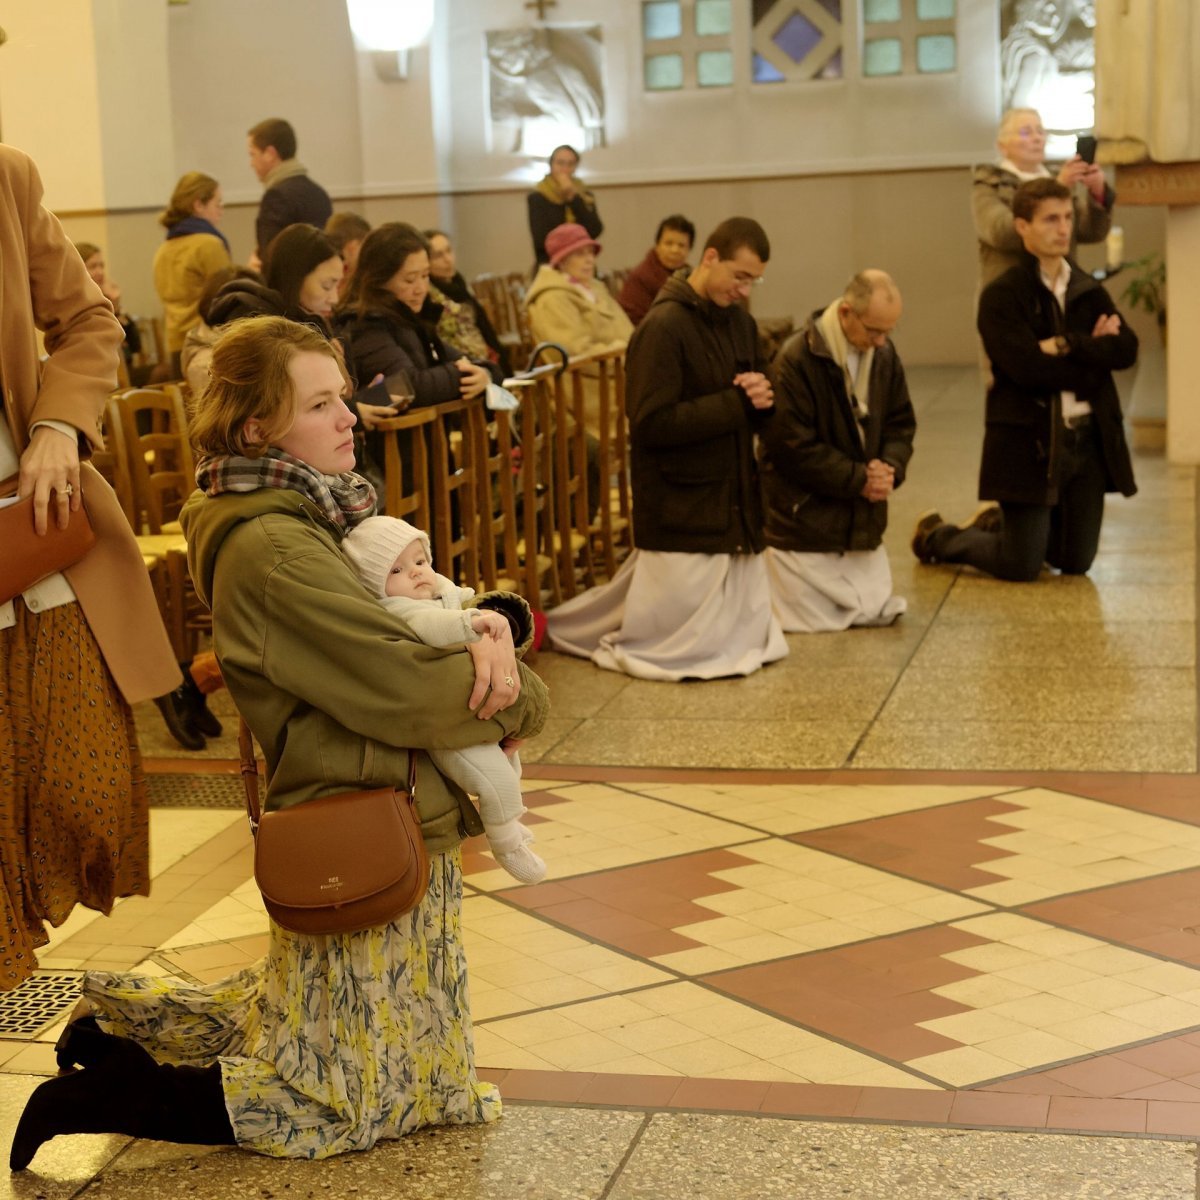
509	680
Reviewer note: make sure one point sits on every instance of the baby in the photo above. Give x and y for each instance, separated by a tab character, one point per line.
393	561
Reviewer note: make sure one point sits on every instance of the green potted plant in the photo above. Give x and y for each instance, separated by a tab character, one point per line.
1147	288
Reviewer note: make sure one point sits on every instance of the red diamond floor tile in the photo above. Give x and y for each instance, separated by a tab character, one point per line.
942	846
1161	915
877	1005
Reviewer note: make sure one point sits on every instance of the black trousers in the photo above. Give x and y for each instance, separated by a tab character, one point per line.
1065	535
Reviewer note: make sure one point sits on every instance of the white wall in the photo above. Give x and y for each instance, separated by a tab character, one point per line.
841	174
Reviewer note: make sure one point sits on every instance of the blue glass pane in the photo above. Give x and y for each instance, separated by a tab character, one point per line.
882	57
714	68
764	72
935	10
664	72
797	36
661	19
881	10
714	18
833	8
935	53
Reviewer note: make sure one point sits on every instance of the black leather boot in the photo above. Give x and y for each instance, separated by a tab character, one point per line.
123	1090
178	720
195	703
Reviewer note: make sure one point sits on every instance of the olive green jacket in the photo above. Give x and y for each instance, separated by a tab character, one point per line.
331	684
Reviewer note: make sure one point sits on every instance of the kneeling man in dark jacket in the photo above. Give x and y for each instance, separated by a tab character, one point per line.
1054	441
835	448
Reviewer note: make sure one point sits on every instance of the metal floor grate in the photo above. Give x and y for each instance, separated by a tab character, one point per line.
41	1000
196	791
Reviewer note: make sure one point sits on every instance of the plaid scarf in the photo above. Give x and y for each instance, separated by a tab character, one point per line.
345	499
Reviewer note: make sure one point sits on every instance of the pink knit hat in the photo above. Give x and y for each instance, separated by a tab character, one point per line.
566	239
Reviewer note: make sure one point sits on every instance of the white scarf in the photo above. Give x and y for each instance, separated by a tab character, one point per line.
858	391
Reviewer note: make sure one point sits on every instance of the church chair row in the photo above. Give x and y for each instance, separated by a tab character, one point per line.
506	495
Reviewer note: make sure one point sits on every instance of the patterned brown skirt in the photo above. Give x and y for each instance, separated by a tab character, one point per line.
74	816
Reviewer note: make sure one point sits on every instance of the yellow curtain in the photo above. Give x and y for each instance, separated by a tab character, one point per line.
1147	79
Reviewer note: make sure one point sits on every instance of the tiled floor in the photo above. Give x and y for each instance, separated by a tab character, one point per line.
940	874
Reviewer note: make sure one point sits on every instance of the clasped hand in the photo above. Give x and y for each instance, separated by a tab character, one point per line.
881	480
757	388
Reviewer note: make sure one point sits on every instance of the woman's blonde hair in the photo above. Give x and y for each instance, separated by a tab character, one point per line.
249	378
192	188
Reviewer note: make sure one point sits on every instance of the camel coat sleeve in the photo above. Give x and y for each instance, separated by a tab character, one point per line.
44	285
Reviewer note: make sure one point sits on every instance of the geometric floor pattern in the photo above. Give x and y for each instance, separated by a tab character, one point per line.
907	936
954	951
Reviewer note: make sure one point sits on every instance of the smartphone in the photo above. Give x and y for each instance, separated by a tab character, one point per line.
1085	147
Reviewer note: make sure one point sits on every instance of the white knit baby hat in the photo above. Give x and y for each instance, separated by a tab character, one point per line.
373	546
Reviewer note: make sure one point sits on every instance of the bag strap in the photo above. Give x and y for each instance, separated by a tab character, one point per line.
250	774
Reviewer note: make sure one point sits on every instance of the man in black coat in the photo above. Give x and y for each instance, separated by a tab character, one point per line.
1054	442
835	449
693	600
291	198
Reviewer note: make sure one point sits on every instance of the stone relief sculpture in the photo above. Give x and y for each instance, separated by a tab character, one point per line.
549	75
1048	59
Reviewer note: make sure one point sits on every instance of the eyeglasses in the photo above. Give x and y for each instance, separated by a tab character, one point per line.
742	279
873	330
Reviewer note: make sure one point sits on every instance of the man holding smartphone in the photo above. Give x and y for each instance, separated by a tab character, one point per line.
1022	145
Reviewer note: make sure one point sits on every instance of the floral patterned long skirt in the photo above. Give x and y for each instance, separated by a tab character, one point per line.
329	1043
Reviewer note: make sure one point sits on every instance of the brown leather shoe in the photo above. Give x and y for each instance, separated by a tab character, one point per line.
987	518
927	522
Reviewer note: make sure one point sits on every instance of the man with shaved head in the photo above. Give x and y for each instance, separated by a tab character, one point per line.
835	449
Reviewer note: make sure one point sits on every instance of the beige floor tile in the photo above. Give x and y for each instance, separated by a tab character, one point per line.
1167	979
994	957
1108	960
1102	992
1099	1032
676	999
963	1066
701	1058
1162	1015
658	1033
1040	1010
1034	1048
974	1028
584	1052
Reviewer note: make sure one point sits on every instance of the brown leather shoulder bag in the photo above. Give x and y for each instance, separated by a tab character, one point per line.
338	864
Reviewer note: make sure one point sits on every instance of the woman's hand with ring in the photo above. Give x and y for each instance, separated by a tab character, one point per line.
50	464
497	681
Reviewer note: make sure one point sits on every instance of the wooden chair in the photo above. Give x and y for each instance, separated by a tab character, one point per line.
494	450
457	472
162	473
164	552
407	491
503	298
612	529
572	501
535	493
